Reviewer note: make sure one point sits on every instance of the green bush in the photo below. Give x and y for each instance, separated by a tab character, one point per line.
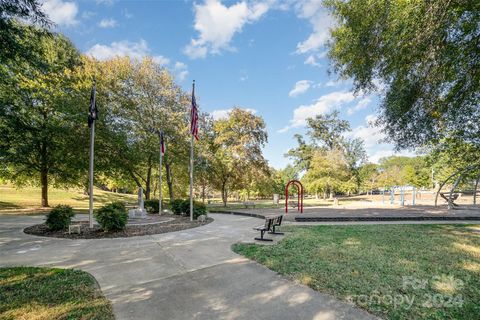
152	205
112	217
180	206
60	217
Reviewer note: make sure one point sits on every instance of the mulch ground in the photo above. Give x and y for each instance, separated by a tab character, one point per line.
179	223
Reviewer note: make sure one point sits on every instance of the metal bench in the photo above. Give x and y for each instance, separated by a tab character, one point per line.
249	204
277	222
266	227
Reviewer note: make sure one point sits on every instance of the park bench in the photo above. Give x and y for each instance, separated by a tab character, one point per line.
446	197
276	223
270	223
249	204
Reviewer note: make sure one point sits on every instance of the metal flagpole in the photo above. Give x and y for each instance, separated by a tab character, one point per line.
160	176
92	117
92	137
191	157
191	178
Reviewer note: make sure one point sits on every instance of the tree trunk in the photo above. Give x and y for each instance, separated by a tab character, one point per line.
44	183
316	195
475	191
224	194
168	170
203	191
148	183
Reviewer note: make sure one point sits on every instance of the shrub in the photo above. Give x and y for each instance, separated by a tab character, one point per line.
180	206
198	209
60	217
152	205
112	217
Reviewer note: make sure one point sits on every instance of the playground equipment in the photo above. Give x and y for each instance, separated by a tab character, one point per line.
460	174
402	192
299	187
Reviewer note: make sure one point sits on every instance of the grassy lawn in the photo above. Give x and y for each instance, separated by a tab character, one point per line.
393	271
44	293
13	199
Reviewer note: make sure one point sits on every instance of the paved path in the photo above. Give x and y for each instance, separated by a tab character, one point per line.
190	274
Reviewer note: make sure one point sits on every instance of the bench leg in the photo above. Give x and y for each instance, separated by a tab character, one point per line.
274	232
262	238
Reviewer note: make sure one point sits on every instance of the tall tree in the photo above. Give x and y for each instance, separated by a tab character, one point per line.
237	150
13	33
423	57
326	130
40	115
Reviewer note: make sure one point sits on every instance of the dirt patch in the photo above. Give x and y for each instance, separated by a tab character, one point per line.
177	224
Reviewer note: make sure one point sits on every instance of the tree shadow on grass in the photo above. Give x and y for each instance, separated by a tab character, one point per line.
9	205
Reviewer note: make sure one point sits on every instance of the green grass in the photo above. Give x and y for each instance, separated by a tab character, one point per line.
28	199
369	265
45	293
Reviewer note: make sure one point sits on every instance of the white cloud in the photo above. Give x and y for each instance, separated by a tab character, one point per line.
88	14
362	104
223	113
321	22
108	23
372	136
106	2
180	70
300	87
375	141
323	105
311	60
370	119
161	60
217	24
332	83
135	50
61	12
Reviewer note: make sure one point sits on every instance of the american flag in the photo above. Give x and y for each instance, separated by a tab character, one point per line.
93	111
194	115
162	143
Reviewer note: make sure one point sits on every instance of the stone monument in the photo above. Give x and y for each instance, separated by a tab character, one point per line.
139	212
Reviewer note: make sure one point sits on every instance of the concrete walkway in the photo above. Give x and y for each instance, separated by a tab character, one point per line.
190	274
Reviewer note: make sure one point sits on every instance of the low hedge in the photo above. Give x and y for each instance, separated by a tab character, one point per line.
60	217
182	206
152	205
112	217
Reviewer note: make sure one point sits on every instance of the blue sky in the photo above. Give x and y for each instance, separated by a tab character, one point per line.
265	56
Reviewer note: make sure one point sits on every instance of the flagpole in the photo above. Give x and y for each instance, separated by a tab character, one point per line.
90	205
191	164
160	177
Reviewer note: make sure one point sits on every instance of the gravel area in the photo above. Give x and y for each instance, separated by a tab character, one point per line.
178	223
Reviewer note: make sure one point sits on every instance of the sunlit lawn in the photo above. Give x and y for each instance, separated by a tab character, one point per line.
12	199
379	267
44	293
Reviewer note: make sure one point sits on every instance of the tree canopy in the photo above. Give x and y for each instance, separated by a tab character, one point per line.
422	56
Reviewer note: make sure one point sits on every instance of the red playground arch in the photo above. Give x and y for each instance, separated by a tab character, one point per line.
299	186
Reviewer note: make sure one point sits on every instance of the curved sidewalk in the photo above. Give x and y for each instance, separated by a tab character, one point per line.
190	274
